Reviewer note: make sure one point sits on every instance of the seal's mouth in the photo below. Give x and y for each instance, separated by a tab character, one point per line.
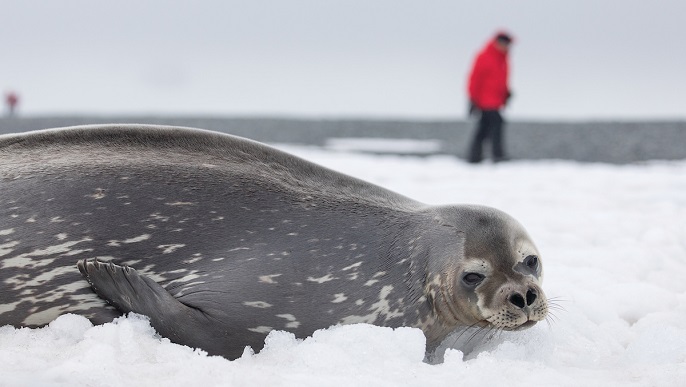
528	324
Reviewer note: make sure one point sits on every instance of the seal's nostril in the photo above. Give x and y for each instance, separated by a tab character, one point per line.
530	297
517	300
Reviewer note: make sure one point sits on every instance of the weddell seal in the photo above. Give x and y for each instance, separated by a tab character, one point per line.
220	239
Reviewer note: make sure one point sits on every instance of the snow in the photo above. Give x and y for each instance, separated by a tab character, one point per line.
613	246
384	145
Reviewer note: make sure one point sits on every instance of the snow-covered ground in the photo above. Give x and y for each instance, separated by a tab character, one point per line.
613	244
384	145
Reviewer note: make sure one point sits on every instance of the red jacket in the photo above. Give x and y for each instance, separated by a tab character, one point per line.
488	87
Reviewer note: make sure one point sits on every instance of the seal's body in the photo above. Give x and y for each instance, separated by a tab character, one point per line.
220	239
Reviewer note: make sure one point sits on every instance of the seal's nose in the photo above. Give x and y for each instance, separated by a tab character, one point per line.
520	302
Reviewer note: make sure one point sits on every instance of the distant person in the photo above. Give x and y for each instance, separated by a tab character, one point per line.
12	100
488	93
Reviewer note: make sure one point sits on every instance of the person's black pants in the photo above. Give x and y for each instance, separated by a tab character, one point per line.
490	127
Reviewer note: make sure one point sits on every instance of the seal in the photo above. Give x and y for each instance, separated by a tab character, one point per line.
220	239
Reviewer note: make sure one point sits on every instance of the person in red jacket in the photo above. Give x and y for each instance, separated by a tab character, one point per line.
488	93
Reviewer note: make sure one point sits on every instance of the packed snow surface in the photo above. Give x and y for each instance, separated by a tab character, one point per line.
613	246
384	145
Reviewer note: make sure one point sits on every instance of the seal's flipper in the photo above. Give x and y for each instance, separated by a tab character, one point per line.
130	291
127	290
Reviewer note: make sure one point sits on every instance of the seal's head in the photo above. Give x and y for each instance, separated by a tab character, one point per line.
495	281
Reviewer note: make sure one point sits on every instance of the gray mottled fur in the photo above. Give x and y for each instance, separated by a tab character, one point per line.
219	239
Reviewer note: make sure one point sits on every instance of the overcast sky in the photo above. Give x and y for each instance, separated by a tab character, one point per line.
581	59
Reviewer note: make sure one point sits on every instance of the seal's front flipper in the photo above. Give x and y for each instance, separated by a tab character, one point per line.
124	288
129	291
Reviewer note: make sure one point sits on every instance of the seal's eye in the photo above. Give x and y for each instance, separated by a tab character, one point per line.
472	279
531	262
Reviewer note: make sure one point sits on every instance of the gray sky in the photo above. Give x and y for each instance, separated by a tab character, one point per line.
581	59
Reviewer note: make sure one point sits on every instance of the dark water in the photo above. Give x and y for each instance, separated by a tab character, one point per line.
610	142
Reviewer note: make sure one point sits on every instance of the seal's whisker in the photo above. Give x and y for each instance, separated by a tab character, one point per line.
555	306
556	300
493	333
462	333
458	337
548	322
478	331
552	317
